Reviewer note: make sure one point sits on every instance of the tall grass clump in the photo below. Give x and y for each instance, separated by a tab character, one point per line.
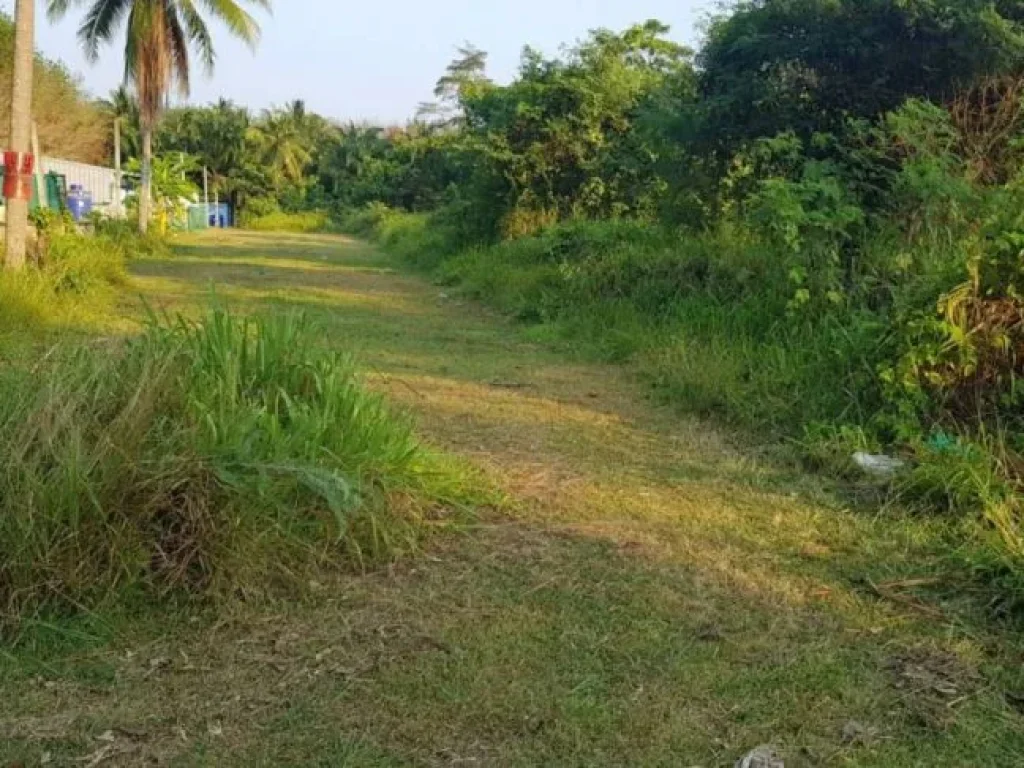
75	282
124	234
365	221
424	240
310	222
220	458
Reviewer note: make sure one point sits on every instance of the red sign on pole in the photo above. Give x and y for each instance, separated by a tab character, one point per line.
18	170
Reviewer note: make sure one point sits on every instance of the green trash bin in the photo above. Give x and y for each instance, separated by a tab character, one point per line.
56	190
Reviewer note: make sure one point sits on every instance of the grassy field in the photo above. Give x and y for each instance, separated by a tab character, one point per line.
652	592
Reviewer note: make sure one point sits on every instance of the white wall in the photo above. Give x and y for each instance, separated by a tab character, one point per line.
101	182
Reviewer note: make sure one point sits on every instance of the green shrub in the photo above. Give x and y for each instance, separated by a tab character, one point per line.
124	232
413	237
258	207
310	222
219	458
75	283
975	478
364	221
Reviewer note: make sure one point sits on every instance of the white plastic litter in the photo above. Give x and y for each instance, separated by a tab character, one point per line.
881	466
764	756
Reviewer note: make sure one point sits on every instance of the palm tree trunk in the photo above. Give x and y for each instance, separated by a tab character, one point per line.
21	126
146	188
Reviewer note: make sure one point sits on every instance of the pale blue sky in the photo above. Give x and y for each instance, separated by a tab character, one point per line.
378	59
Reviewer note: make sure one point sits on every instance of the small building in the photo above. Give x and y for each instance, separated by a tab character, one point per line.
102	183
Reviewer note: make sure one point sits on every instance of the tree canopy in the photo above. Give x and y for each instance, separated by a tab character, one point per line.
807	65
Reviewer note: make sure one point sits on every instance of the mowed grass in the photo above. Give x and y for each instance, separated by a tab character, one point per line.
652	593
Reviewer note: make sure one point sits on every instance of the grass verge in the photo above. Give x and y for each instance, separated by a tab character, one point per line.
658	597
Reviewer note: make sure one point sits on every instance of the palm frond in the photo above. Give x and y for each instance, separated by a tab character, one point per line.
198	33
160	38
57	9
177	41
101	21
241	24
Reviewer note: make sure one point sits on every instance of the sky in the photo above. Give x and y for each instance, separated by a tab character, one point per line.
376	60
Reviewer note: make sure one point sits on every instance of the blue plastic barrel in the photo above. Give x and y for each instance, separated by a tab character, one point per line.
79	202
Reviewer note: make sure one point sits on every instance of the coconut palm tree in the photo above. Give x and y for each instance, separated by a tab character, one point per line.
281	144
122	105
297	109
160	36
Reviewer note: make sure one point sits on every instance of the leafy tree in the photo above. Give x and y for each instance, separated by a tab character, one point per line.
466	74
350	166
159	40
769	66
172	188
559	140
219	137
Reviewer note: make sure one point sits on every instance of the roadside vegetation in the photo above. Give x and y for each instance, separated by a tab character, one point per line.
156	460
279	221
221	456
649	592
75	280
827	256
804	239
819	249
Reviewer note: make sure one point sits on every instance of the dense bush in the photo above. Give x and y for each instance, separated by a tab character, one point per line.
123	233
216	458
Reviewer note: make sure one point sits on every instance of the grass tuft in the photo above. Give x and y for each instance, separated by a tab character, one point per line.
216	458
76	283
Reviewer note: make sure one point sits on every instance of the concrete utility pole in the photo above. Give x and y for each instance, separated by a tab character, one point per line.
118	208
21	133
40	180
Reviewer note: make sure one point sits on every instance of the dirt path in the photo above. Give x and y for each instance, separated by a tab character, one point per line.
655	598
